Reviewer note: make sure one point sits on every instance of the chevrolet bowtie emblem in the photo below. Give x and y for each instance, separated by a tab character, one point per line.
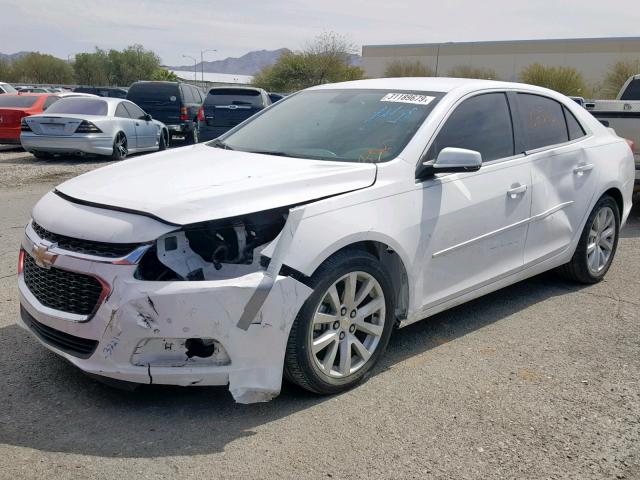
43	257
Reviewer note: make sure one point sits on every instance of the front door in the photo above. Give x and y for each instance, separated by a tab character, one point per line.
477	220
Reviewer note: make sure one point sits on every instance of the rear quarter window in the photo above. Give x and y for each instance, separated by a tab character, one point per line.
573	125
543	121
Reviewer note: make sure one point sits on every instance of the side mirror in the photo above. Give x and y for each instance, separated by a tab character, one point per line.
147	117
451	160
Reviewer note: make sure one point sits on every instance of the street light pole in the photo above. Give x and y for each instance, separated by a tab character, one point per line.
195	68
202	52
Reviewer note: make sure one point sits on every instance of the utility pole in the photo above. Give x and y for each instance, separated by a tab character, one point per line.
195	66
202	52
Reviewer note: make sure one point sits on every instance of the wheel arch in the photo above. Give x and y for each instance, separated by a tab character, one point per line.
391	257
616	194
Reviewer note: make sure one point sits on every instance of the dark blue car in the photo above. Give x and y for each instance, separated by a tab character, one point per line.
226	107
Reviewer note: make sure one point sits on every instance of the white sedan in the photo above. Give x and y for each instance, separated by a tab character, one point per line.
88	124
295	243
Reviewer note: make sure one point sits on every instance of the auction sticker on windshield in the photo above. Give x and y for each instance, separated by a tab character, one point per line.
407	98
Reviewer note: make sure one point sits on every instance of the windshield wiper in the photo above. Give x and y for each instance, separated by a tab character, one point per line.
220	144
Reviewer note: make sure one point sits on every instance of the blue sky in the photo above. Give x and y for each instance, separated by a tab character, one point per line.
173	28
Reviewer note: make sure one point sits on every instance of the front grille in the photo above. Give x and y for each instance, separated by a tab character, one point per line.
60	289
76	346
87	247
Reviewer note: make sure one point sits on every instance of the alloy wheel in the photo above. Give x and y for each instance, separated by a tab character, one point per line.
601	240
121	145
348	324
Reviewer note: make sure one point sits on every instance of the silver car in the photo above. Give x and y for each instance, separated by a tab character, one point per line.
93	125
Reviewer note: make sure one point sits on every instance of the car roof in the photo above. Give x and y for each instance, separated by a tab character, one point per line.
431	84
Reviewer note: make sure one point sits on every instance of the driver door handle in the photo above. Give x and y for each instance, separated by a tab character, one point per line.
516	190
582	168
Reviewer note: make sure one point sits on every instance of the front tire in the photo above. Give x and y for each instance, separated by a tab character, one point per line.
597	246
120	149
344	327
164	140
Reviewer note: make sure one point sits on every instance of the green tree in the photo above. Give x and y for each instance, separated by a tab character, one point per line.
467	71
565	80
92	68
116	67
400	68
618	74
326	60
40	68
164	75
5	71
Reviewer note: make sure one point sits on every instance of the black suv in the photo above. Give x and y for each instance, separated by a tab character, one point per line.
113	92
178	105
226	107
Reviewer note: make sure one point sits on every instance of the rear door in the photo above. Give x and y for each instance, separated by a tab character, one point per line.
225	108
563	177
128	125
160	100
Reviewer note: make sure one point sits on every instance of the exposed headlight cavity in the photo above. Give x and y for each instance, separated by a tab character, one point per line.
224	248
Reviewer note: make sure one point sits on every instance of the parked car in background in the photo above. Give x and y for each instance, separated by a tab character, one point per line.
178	105
623	115
296	242
35	90
15	106
97	125
226	107
6	88
113	92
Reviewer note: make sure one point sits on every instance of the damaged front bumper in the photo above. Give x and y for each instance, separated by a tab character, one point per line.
208	332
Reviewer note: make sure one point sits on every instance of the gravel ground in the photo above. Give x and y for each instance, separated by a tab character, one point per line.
539	380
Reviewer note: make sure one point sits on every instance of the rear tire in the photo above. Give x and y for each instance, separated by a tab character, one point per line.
193	136
333	323
120	150
164	140
42	155
597	246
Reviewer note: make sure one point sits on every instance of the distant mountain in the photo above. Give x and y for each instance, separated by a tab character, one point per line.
248	64
11	57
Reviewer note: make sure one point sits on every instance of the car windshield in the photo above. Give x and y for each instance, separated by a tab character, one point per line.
341	125
17	101
79	105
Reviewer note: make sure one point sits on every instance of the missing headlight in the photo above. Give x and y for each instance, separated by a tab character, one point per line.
210	250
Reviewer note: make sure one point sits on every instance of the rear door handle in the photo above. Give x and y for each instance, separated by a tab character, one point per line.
516	190
581	169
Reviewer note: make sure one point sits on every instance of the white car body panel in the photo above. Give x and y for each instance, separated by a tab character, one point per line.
445	239
209	183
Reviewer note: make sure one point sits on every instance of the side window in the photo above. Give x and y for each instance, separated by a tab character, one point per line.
481	123
188	94
543	121
134	110
632	91
121	111
49	101
573	126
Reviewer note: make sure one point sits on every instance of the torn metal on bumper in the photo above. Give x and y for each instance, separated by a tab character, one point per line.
141	326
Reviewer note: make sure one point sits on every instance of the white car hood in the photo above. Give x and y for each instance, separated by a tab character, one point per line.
200	183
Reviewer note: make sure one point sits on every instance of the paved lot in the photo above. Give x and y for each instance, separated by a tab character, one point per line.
540	380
